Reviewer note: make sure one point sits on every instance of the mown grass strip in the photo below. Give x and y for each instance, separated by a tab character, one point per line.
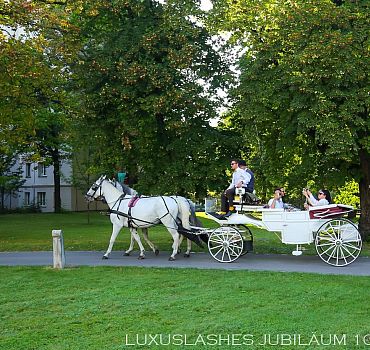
107	308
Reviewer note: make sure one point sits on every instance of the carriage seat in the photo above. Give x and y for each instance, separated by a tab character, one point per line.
242	197
329	211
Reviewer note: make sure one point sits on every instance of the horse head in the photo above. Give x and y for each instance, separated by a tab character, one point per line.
95	191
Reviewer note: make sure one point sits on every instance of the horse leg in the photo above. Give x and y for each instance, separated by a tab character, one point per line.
131	247
115	232
180	241
150	243
138	240
175	245
188	250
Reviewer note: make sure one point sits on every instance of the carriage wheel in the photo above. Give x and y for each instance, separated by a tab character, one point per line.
225	244
247	239
338	242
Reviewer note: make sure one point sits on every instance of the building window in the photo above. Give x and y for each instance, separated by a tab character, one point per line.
42	169
27	198
28	169
41	199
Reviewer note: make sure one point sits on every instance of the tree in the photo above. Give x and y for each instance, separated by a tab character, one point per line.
303	93
147	73
33	75
10	178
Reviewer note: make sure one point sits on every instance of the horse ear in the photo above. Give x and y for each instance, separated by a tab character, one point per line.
104	177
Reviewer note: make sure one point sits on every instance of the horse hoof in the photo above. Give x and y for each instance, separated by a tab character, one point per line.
171	258
141	257
186	255
126	254
156	252
104	257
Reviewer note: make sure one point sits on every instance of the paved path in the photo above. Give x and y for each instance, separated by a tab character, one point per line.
286	263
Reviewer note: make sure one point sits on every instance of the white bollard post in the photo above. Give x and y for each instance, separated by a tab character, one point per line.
58	249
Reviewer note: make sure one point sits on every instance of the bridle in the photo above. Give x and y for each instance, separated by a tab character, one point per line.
95	187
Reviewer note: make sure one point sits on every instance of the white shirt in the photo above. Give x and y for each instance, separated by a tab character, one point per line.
239	175
278	203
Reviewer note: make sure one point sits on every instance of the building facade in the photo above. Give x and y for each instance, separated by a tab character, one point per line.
38	189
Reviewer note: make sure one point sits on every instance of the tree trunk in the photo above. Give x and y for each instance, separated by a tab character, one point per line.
364	225
56	164
2	191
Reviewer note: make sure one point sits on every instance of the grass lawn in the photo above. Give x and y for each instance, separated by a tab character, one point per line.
109	308
91	231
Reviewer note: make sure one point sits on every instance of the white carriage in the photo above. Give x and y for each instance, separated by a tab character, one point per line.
336	239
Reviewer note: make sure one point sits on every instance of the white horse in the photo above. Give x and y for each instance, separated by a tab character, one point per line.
185	206
148	211
128	191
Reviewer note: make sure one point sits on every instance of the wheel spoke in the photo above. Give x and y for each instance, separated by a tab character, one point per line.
224	235
343	255
333	230
223	255
227	251
324	244
216	246
337	254
327	239
215	254
216	239
237	246
345	228
235	243
233	250
327	236
331	247
332	254
349	253
351	246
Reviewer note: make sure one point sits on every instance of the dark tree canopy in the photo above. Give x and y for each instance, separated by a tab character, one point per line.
148	74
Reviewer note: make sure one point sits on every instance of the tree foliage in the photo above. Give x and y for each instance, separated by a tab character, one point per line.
10	178
147	73
303	98
34	53
349	194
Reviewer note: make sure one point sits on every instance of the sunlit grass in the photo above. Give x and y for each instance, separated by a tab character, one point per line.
91	231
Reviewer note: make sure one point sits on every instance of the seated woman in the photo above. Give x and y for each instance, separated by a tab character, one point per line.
323	196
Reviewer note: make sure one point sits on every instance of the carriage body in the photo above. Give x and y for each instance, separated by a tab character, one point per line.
337	240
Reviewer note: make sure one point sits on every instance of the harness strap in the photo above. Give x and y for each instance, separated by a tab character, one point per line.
128	216
165	204
131	219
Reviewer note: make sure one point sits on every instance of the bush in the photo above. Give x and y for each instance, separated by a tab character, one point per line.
33	208
349	194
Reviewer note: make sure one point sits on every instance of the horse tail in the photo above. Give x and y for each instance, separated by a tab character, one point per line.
184	212
188	217
194	221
